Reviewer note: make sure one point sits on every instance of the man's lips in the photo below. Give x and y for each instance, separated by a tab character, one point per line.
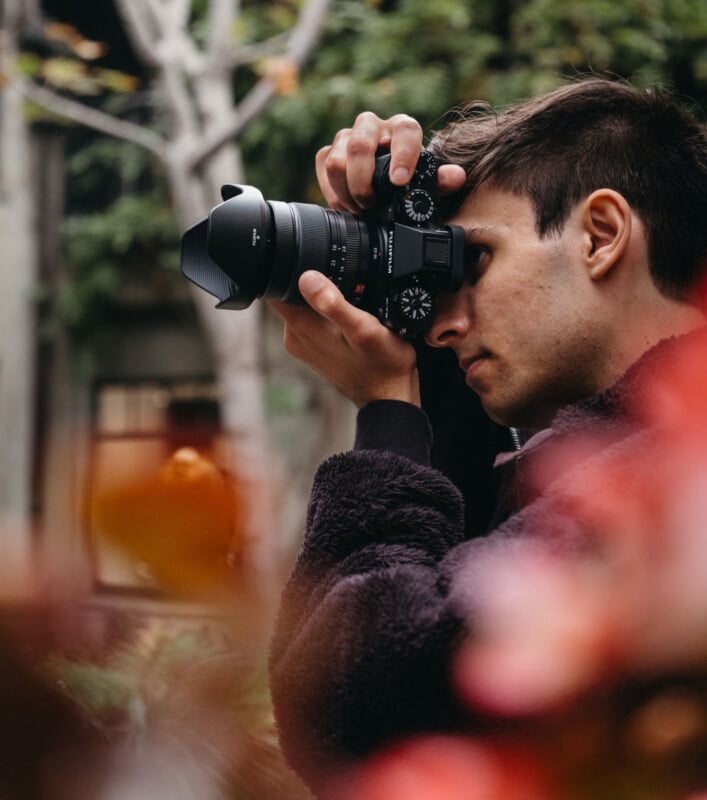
469	363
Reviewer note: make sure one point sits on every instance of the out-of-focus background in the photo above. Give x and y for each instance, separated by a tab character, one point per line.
156	453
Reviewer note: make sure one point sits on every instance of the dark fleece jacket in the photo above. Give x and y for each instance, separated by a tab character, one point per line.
383	588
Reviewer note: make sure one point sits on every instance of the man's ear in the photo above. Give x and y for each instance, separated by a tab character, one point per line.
607	222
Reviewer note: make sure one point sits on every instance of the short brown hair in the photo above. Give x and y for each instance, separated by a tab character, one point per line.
591	134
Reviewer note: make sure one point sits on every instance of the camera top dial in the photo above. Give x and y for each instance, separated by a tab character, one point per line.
418	206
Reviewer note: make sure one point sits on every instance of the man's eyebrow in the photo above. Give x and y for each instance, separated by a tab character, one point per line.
473	235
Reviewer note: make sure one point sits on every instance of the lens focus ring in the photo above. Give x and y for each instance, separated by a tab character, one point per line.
312	241
351	273
330	242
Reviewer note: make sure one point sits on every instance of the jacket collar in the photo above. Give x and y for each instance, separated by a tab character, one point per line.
621	406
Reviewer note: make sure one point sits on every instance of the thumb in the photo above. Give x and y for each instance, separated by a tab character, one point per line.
312	282
326	299
450	178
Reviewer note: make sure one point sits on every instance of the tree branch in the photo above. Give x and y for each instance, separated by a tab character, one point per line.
302	40
308	29
240	117
141	29
248	53
180	12
220	26
92	118
156	32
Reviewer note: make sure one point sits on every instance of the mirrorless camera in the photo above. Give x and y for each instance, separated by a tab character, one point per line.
391	261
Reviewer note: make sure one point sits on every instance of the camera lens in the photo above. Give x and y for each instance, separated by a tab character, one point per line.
333	242
392	262
250	248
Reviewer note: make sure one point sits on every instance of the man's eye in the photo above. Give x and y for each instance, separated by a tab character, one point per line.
474	262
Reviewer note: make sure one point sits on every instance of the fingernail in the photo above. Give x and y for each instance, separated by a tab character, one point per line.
311	282
399	175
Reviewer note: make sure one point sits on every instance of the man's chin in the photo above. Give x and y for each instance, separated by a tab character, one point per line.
514	416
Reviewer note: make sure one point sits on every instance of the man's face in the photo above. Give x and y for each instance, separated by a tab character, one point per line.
525	324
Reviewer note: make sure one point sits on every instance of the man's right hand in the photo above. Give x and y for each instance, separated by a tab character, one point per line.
345	167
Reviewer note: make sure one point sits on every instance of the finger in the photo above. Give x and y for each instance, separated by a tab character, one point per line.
303	329
405	146
324	298
331	175
284	310
300	317
368	134
345	167
450	178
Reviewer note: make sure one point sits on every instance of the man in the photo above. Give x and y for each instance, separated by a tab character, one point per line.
585	240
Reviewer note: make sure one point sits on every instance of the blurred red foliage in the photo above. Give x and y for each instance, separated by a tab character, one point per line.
590	661
446	768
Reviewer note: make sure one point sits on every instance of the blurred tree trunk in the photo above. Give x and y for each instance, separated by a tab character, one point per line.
199	127
201	153
17	284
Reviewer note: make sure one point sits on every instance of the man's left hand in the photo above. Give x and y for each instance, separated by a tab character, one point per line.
349	347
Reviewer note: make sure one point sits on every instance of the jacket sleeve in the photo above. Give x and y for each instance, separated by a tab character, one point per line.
365	632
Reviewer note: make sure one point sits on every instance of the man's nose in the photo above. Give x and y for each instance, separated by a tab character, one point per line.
450	320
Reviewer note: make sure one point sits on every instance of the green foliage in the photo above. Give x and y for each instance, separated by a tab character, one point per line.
104	161
107	696
409	56
286	398
644	39
75	75
423	58
409	60
129	687
190	687
132	222
121	239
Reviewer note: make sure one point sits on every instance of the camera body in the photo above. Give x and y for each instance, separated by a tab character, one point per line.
422	259
391	261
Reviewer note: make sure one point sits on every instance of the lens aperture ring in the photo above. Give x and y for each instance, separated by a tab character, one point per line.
351	268
344	249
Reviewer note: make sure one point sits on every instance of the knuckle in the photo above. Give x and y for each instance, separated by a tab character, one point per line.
340	136
361	143
405	123
363	137
364	332
367	119
327	301
335	161
323	154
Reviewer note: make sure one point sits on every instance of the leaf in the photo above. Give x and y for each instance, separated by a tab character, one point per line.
68	73
283	72
116	81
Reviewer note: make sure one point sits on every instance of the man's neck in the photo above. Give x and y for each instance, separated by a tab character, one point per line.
666	319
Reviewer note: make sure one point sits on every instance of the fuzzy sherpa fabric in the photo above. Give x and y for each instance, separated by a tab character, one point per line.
383	588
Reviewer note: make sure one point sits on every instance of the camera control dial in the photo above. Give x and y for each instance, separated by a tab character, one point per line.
415	303
418	206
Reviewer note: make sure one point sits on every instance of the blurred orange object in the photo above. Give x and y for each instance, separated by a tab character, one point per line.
181	522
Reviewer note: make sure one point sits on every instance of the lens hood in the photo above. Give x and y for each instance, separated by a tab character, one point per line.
239	237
